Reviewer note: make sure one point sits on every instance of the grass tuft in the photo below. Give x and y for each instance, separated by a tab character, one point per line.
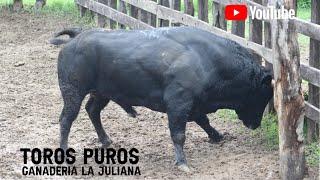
268	132
313	154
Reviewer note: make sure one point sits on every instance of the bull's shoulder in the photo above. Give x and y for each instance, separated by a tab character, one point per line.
189	72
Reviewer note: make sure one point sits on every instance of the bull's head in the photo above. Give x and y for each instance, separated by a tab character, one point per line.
252	111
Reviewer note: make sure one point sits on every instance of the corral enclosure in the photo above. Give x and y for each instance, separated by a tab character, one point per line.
136	14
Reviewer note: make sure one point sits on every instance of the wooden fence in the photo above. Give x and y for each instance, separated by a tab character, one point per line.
148	14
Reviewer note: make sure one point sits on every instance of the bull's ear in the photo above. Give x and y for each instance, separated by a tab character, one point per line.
266	80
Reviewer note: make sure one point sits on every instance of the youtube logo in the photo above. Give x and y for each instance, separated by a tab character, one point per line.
236	12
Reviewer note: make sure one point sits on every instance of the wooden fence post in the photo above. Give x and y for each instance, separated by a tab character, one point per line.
203	10
113	4
123	9
82	10
289	101
164	23
188	7
255	33
101	19
238	28
218	16
143	15
314	61
268	44
153	18
176	6
40	3
17	5
134	11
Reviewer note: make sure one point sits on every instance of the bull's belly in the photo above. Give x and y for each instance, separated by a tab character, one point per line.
155	104
150	98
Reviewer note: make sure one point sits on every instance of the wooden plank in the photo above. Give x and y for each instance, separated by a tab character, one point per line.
113	14
143	15
219	20
268	44
134	11
314	61
238	28
17	5
307	28
152	18
177	7
255	33
101	19
164	22
310	74
203	10
288	98
82	11
312	112
112	4
188	7
123	9
179	17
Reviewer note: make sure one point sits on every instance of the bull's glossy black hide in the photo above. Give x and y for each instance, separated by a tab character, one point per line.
184	71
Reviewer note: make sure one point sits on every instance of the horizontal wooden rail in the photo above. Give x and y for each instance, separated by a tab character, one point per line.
179	17
312	112
307	28
310	74
113	14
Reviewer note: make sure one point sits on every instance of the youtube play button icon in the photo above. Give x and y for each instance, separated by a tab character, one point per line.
236	12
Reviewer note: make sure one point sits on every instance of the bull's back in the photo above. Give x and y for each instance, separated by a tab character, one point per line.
129	67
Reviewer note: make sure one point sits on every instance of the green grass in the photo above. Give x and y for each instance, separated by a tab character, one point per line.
268	132
52	5
59	8
304	3
227	114
313	154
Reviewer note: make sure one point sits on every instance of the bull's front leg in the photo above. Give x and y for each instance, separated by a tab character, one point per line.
177	131
179	104
203	121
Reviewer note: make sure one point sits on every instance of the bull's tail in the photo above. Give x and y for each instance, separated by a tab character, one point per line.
72	32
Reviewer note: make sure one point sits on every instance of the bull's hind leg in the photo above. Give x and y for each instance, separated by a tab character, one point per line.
130	110
72	103
203	121
93	107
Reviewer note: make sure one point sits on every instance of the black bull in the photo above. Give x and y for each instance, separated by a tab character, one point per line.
184	72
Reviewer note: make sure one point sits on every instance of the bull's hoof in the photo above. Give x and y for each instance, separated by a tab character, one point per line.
133	114
184	168
216	139
106	145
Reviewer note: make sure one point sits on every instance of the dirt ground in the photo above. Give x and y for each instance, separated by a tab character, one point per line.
31	104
